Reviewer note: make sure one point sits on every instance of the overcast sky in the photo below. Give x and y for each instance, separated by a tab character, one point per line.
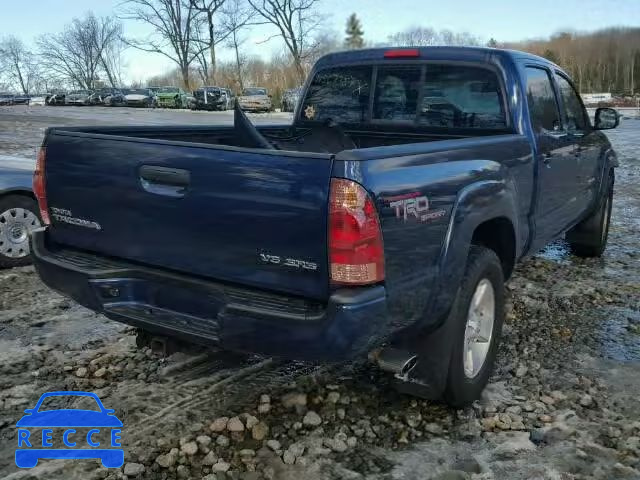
505	20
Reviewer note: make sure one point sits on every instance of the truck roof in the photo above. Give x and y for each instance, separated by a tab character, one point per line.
477	54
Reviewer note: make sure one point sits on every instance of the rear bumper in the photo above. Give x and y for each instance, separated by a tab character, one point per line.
351	323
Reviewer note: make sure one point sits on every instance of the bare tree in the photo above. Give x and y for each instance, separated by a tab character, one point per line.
78	53
295	20
175	25
18	63
110	36
237	17
209	9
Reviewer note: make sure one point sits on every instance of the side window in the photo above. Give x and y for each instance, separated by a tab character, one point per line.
576	118
543	106
397	91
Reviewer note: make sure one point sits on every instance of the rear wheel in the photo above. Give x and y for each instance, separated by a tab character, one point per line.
18	217
478	314
589	237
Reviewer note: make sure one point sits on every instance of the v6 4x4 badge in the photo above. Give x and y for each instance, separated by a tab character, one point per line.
414	205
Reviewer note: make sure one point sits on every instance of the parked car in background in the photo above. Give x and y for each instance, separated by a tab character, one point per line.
78	97
110	97
6	98
40	99
210	98
229	97
290	99
57	98
21	99
255	99
19	213
360	229
190	101
171	97
140	97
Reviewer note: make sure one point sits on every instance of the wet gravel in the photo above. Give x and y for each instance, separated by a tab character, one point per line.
563	403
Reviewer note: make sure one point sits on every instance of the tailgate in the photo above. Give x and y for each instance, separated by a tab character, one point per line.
257	219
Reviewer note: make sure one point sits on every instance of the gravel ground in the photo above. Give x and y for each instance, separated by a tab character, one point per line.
563	403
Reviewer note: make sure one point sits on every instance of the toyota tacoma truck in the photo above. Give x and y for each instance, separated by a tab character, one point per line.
382	223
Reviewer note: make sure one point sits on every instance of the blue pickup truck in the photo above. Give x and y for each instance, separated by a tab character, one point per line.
383	221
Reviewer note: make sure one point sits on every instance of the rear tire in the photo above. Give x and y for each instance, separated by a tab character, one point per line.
478	314
19	215
589	237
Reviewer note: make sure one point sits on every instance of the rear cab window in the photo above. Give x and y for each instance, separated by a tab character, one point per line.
420	94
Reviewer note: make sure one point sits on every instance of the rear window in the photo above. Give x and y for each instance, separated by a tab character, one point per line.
461	96
338	94
430	95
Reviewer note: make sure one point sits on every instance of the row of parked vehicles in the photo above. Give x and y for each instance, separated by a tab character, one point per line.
255	99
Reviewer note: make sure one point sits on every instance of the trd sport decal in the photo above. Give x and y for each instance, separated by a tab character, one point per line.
413	205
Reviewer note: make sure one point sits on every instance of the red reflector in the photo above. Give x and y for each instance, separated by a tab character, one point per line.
356	254
39	187
403	53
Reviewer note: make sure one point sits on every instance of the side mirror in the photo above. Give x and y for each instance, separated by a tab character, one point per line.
109	411
29	410
606	118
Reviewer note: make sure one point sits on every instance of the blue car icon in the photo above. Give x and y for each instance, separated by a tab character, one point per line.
30	450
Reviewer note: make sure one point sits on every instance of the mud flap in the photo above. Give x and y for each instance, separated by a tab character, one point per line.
428	378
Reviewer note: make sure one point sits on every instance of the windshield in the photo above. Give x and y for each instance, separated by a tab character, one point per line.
248	92
168	90
137	91
75	402
80	92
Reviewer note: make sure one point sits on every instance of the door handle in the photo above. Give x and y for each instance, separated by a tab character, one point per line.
172	182
546	158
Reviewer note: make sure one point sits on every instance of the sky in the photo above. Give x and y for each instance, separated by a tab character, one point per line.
504	20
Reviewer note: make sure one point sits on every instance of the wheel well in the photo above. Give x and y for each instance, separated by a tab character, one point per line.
21	193
498	235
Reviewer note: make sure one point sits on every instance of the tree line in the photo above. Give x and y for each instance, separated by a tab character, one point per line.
603	61
88	52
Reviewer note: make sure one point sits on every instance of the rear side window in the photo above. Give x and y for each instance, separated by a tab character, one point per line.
543	107
576	119
461	97
339	94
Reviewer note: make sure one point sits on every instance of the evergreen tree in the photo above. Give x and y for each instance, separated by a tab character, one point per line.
354	32
493	43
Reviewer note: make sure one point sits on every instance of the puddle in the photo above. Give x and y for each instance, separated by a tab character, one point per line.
619	335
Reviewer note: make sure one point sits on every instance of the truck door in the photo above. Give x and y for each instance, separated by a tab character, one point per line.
555	158
586	144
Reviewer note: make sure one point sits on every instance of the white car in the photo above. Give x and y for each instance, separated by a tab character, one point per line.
139	97
38	100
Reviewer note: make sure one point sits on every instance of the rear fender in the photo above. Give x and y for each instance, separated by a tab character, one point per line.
476	203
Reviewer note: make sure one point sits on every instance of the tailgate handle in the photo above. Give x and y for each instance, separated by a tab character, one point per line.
168	181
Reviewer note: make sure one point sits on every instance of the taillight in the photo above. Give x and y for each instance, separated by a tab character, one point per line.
356	254
39	187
